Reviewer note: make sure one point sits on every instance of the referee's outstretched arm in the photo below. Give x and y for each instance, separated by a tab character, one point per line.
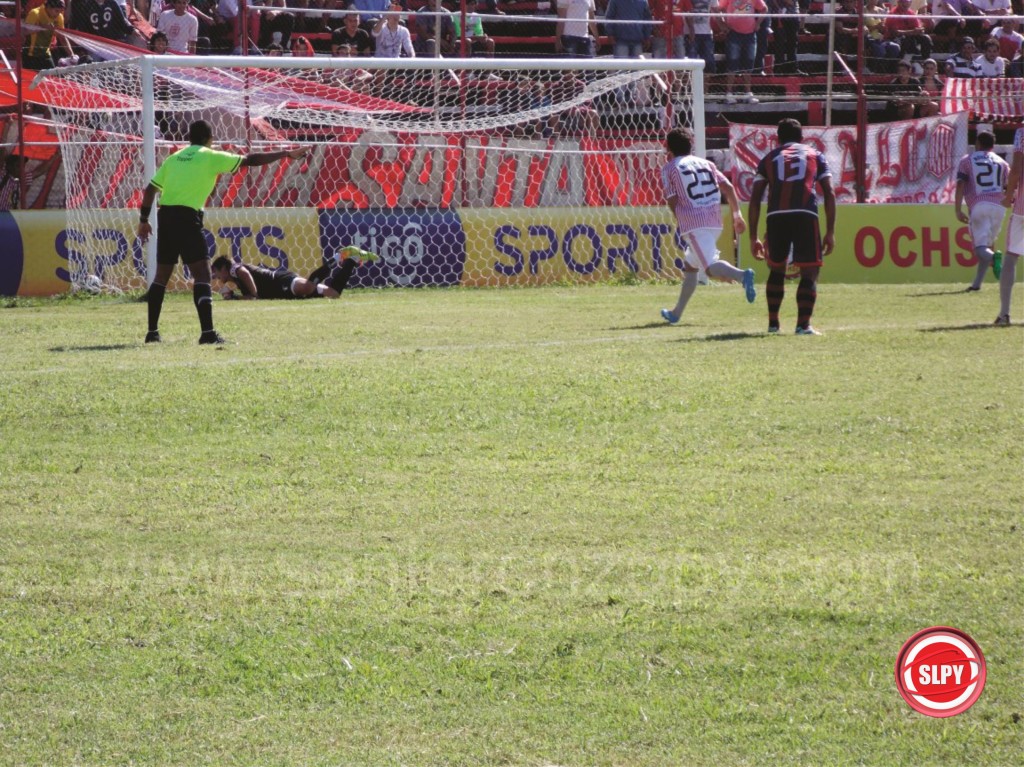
265	158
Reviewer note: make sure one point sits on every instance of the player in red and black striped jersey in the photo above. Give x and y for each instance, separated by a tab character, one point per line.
790	173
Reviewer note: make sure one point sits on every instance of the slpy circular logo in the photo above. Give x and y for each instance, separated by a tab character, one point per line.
940	671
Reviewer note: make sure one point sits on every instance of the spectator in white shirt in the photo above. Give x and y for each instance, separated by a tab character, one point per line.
990	63
1010	39
181	28
392	39
158	7
575	20
700	39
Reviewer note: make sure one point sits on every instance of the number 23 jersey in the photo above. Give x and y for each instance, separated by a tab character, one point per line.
693	182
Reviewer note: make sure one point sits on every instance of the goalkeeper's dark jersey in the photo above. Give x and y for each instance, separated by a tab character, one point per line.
270	283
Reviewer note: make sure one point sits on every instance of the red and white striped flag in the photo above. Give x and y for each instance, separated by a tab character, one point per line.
987	98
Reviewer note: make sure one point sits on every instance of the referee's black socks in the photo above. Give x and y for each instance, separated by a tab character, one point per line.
155	302
202	296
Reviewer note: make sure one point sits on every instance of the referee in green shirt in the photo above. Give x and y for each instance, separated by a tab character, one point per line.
184	182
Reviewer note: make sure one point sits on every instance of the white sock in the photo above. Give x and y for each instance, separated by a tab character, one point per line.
725	270
689	285
984	259
1006	280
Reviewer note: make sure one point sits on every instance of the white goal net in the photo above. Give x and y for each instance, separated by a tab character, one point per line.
454	171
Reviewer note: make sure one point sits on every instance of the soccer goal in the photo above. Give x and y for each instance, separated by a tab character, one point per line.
454	171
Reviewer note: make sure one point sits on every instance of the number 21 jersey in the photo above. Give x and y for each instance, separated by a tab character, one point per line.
984	175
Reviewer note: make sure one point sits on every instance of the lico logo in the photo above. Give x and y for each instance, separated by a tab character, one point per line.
940	671
403	253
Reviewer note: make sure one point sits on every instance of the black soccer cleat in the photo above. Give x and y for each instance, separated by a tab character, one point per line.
212	337
153	337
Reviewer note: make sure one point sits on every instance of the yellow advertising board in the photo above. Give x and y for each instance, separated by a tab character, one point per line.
522	246
536	246
31	244
41	254
901	244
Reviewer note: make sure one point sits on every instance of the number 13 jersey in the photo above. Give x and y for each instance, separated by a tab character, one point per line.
791	171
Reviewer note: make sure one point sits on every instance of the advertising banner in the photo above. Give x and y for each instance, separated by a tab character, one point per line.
42	256
901	244
416	248
874	244
369	170
912	161
536	247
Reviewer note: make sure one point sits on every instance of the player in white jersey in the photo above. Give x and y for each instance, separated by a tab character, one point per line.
693	190
981	182
1015	229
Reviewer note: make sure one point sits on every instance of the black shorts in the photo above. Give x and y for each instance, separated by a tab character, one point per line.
793	237
179	234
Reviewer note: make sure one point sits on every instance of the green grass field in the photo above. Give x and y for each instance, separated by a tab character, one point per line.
507	527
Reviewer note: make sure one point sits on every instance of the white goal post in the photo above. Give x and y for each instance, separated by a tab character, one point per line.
455	171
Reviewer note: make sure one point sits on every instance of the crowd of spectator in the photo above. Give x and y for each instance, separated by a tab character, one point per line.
915	42
910	46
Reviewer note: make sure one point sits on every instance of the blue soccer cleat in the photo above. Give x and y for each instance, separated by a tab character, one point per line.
748	285
670	318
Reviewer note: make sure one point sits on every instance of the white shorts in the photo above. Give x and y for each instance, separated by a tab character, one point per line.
701	247
986	221
1015	235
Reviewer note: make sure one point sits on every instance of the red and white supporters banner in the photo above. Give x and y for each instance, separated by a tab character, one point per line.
908	161
988	98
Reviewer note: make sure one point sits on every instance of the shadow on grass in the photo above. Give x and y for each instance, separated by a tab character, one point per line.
954	292
650	325
972	326
721	337
97	348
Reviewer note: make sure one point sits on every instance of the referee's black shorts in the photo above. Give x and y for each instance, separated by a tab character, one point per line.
179	234
793	236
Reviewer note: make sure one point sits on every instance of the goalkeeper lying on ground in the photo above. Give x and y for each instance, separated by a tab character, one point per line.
327	281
